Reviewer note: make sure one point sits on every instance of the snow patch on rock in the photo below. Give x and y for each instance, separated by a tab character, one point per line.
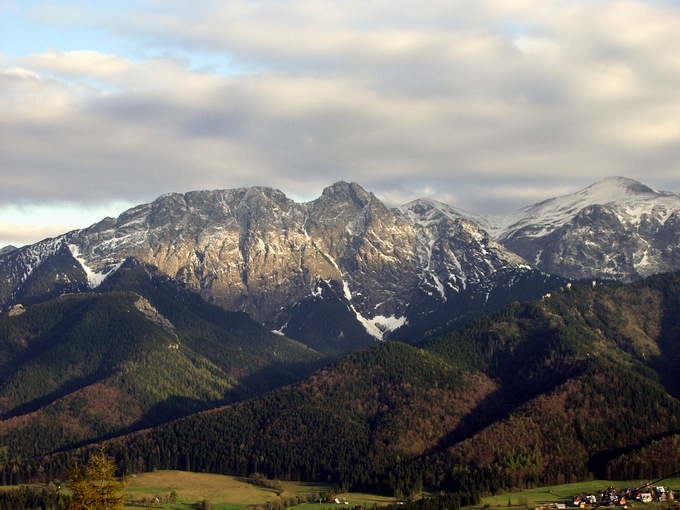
94	278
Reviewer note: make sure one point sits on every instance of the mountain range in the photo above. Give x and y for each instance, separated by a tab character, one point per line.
284	263
230	302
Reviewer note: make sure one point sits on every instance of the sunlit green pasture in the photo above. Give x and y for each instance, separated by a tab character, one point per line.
189	490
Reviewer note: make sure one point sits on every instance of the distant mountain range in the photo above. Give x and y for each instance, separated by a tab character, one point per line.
383	273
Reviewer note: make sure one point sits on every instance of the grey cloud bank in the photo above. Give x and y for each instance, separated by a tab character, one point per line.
487	106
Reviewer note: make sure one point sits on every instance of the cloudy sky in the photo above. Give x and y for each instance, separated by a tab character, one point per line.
487	105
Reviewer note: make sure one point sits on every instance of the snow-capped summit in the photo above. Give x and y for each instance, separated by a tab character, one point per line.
630	195
616	228
426	210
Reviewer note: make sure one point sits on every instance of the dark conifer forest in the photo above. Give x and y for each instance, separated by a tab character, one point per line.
577	385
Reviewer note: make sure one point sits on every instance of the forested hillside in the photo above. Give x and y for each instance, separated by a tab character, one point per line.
136	353
556	390
575	385
348	423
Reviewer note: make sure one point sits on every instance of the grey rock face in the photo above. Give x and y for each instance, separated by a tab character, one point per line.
257	251
453	250
244	249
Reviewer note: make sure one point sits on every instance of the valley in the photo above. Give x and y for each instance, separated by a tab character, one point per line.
179	490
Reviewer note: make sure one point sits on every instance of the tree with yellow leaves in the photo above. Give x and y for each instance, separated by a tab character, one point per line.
96	487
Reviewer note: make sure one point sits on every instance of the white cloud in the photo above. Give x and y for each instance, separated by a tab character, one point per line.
80	63
483	103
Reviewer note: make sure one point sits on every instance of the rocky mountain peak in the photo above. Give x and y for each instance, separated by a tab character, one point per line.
256	250
346	193
344	203
611	229
7	249
617	188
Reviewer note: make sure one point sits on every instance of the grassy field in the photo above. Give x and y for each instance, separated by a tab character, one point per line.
190	488
230	493
353	499
233	493
532	498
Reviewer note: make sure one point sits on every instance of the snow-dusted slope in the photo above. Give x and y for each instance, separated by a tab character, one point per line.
617	228
454	249
425	210
635	201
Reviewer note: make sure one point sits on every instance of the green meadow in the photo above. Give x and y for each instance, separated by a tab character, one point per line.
183	490
234	493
